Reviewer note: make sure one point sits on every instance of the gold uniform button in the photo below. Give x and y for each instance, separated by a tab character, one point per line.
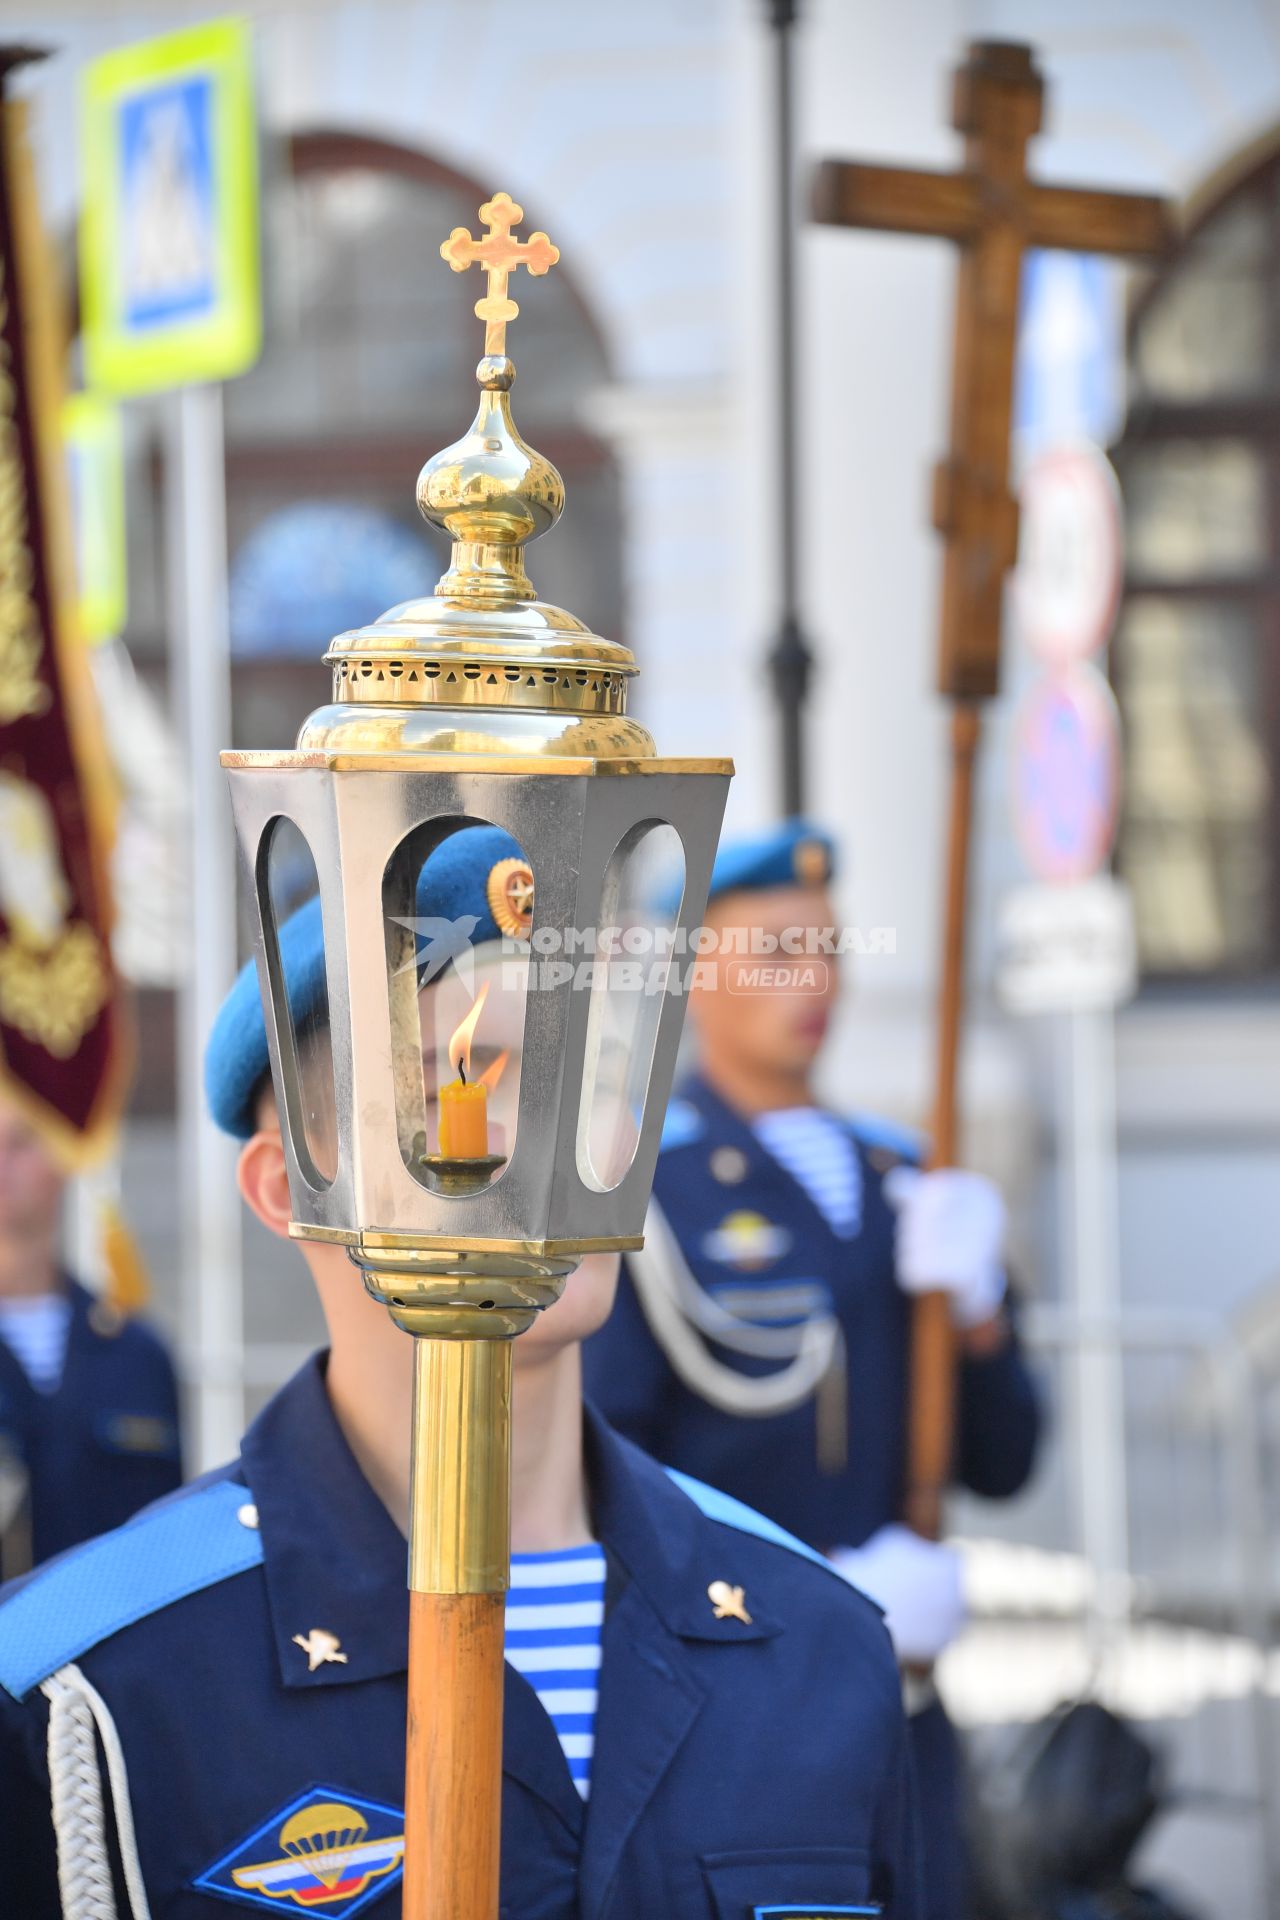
247	1515
728	1166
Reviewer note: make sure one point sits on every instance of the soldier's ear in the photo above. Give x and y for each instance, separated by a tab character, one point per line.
264	1182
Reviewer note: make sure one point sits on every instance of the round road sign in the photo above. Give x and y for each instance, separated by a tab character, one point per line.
1067	774
1070	554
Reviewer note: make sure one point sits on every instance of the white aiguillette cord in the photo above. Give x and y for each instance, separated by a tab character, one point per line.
78	1718
682	1317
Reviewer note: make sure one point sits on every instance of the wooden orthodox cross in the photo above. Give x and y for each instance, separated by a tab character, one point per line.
993	211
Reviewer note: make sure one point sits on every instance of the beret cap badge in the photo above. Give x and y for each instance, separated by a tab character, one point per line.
811	863
509	892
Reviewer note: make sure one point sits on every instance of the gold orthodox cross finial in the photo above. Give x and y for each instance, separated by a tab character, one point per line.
490	491
499	255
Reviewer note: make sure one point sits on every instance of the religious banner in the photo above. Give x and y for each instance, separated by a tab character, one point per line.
63	1055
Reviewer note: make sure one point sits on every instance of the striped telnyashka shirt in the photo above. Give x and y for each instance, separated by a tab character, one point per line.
35	1328
555	1618
816	1150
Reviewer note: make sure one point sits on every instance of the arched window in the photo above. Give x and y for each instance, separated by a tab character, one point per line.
1196	658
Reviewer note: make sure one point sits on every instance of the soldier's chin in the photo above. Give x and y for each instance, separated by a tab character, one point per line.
808	1035
581	1310
17	1217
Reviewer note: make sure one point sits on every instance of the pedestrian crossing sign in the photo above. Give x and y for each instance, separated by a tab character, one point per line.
169	212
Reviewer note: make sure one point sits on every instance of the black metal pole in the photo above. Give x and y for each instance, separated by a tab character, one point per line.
790	657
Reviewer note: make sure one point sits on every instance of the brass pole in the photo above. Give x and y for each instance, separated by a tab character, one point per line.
932	1400
459	1570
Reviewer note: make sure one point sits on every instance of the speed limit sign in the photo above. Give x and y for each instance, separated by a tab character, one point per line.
1070	554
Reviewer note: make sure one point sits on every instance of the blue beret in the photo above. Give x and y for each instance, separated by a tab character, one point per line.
453	886
793	853
455	880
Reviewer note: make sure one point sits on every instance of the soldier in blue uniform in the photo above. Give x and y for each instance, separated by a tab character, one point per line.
88	1398
702	1720
760	1341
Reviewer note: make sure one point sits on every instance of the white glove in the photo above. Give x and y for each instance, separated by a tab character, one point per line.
918	1585
950	1238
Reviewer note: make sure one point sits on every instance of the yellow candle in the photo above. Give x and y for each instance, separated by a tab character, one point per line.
464	1120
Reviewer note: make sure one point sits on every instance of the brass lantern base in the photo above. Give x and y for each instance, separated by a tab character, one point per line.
480	1303
460	1287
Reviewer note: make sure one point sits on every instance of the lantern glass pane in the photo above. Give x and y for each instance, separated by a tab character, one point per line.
457	995
633	969
291	920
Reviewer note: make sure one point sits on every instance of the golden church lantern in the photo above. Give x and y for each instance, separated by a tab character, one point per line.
464	1188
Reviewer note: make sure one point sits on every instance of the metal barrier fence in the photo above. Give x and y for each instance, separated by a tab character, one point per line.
1179	1631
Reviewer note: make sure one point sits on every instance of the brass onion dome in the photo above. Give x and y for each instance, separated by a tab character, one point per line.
482	665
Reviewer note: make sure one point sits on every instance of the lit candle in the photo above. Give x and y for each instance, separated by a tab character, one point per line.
464	1118
464	1104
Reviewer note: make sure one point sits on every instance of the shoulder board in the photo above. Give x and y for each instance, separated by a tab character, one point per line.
888	1137
172	1550
682	1126
733	1513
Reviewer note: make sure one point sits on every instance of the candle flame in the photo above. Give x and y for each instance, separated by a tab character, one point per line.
495	1069
464	1034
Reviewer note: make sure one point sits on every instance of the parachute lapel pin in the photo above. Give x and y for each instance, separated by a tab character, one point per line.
728	1603
319	1646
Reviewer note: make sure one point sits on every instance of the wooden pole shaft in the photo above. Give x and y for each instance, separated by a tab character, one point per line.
453	1773
459	1568
966	720
931	1433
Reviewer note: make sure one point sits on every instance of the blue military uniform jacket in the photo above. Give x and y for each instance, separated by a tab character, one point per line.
741	1768
754	1239
748	1230
105	1442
